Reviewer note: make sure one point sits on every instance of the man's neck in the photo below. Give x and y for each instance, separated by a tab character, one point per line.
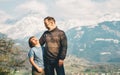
52	28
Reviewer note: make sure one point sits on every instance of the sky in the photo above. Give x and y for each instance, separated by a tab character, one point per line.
84	11
70	13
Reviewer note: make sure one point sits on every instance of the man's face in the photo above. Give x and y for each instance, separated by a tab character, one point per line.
48	24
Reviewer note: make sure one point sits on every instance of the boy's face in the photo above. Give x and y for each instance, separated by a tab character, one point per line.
34	40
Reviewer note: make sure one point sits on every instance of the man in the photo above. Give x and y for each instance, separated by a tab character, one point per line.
55	42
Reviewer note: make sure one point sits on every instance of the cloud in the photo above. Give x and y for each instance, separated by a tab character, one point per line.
32	6
69	14
88	11
81	12
4	16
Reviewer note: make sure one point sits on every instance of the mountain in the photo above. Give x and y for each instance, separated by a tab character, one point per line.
100	43
28	25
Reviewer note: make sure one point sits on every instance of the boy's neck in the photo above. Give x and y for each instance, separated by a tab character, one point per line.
38	45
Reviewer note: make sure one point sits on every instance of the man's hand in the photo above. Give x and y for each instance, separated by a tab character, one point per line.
61	62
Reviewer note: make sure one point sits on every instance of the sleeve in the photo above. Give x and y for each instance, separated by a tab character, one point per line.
63	48
31	53
42	39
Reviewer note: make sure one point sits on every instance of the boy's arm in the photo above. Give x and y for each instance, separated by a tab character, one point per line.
35	65
31	59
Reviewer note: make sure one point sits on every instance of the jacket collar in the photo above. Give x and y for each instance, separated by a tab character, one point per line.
54	29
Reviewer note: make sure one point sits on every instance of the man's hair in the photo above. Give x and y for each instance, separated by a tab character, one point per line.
49	19
30	42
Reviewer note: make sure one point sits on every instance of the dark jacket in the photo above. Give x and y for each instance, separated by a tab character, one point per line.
55	43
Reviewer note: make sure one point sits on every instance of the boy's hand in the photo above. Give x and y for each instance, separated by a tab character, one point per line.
39	69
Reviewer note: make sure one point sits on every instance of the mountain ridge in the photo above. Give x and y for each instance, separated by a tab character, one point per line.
100	43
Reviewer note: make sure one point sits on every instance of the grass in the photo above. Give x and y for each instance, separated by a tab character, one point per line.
22	72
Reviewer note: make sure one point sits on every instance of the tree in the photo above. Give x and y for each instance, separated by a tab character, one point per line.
9	55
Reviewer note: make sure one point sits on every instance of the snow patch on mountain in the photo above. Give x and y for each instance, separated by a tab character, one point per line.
105	53
26	26
108	40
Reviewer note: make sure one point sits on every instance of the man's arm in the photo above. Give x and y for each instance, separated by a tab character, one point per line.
42	39
63	47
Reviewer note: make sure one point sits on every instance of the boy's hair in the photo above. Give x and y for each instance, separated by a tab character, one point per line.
49	19
30	42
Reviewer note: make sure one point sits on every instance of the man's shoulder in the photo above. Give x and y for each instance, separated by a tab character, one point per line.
60	30
45	32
